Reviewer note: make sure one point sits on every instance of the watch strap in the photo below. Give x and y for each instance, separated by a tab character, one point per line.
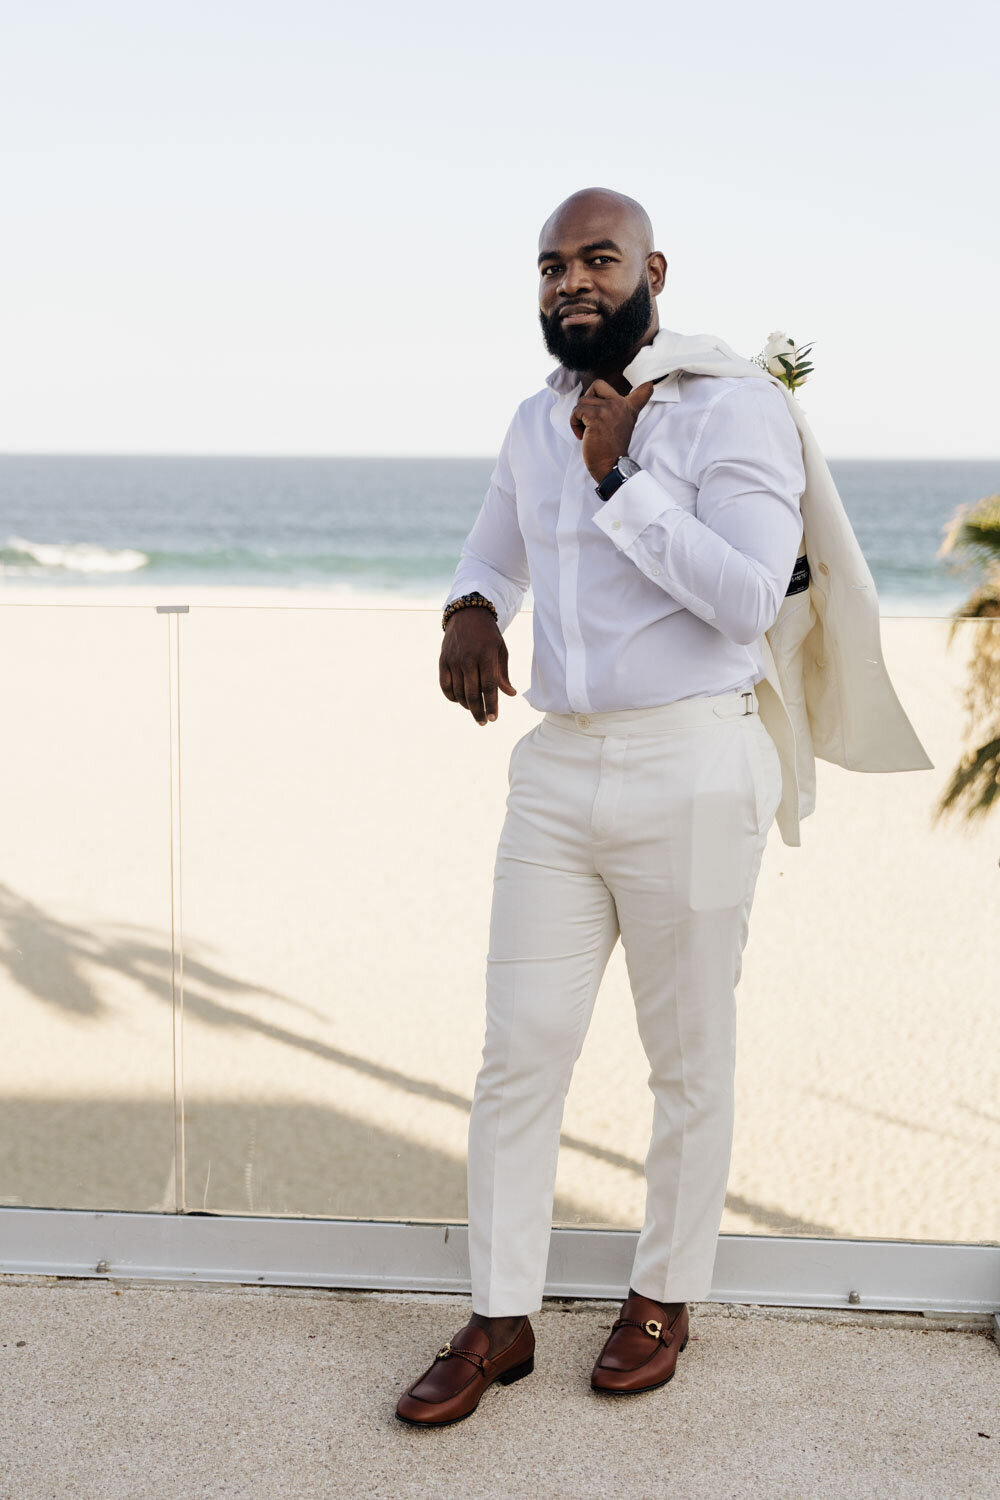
615	478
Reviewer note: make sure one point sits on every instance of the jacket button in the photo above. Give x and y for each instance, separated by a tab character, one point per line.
823	567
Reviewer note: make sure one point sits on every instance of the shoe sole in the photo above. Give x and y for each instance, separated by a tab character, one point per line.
517	1372
640	1390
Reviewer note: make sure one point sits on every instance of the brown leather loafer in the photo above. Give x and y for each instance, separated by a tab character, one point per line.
452	1387
641	1352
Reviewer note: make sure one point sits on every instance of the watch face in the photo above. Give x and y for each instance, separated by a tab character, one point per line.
627	467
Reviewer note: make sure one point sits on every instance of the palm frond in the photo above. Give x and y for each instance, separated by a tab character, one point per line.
975	782
974	532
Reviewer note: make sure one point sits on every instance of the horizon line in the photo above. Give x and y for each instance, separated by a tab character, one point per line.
431	457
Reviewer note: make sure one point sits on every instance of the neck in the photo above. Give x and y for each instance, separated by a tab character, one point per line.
613	374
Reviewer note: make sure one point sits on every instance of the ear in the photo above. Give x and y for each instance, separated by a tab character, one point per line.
656	269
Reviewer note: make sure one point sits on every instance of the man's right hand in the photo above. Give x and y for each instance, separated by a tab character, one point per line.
473	662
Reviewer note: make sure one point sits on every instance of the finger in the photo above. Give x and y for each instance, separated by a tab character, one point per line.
488	679
636	400
474	693
504	680
583	414
599	390
444	677
458	685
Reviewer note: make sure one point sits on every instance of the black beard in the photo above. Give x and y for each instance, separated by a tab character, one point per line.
608	344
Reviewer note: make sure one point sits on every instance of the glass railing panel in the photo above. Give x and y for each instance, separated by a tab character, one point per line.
86	1066
338	814
868	1056
869	1032
340	822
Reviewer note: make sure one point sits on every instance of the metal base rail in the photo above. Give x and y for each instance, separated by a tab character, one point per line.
773	1270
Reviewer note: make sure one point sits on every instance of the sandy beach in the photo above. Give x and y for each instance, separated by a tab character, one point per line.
339	820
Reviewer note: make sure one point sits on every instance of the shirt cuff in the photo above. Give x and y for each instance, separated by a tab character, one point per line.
505	607
634	506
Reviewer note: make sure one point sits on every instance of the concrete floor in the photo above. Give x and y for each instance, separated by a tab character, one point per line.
147	1391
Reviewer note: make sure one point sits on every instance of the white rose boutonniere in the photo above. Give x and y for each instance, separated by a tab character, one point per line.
783	358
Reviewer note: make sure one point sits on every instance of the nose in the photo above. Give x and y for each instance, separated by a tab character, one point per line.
574	279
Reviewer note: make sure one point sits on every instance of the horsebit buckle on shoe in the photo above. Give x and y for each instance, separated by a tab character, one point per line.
653	1328
444	1350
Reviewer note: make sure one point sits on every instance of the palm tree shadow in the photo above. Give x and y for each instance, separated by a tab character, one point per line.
58	961
61	963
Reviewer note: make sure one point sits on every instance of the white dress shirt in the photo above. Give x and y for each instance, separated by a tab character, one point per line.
663	591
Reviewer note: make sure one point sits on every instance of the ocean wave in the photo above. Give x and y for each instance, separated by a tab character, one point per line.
21	555
65	562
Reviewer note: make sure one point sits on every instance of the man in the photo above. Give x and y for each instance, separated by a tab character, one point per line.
658	526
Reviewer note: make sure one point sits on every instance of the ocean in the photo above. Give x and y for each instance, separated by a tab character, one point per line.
391	527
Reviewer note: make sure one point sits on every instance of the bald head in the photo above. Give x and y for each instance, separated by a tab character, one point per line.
600	205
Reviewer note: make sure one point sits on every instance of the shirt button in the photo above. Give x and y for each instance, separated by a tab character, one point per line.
655	572
616	526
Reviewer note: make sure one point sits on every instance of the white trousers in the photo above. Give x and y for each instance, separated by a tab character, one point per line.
647	824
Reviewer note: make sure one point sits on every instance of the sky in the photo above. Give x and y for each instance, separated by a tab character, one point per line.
305	227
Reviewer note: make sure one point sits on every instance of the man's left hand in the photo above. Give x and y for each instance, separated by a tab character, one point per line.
605	421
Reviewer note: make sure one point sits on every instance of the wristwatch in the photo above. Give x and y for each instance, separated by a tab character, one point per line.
616	477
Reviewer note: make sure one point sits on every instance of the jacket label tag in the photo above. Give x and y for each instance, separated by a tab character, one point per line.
800	577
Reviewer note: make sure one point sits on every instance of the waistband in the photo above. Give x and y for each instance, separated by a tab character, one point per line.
681	714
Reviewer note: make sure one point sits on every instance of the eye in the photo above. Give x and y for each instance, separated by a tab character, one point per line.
547	269
609	259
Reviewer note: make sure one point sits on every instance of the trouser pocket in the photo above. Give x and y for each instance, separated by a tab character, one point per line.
515	752
731	812
765	766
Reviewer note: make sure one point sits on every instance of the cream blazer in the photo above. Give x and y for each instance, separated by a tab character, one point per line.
826	691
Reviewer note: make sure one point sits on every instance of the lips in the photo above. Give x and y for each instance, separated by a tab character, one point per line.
580	313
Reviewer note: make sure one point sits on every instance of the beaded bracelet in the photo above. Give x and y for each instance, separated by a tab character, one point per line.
465	602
